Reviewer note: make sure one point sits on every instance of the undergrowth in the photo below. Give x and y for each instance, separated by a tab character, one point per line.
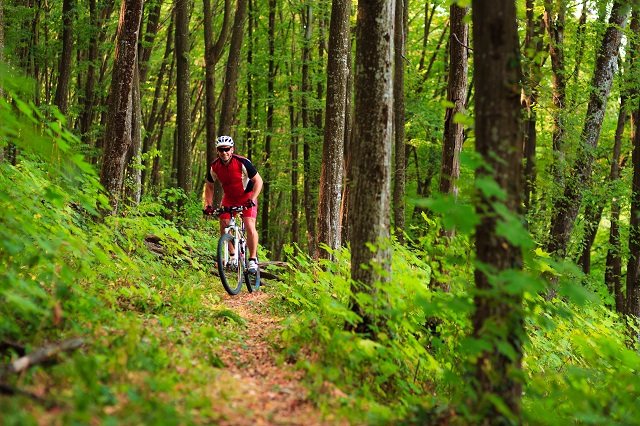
152	320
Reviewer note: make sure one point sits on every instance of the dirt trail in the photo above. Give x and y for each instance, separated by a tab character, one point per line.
270	393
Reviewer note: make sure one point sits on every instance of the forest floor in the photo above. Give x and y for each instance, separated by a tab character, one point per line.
270	391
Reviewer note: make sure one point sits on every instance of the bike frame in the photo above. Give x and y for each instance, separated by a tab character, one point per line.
237	231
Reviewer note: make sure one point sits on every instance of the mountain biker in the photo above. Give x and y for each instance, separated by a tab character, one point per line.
241	184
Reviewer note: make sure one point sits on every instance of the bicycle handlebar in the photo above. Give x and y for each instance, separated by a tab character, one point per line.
231	209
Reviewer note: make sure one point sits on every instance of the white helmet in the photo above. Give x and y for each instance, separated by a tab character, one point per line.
224	141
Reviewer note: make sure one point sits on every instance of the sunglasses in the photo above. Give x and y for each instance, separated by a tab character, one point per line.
223	149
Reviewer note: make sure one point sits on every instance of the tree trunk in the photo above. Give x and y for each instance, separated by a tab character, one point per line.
613	268
158	112
86	117
305	113
632	302
331	175
554	17
566	208
133	185
399	181
348	118
1	60
498	319
266	186
532	71
457	96
146	46
118	128
229	91
453	131
183	96
213	53
64	63
249	138
293	151
371	162
427	28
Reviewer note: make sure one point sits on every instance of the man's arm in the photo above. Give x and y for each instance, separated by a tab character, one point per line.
207	194
257	187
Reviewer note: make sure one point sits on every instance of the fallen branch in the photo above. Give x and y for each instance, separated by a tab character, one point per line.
11	391
40	355
19	349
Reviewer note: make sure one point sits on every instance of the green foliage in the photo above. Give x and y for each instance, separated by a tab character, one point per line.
579	369
135	287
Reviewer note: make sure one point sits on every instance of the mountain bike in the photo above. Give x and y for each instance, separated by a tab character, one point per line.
233	254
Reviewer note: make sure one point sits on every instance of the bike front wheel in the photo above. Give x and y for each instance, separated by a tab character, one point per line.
230	267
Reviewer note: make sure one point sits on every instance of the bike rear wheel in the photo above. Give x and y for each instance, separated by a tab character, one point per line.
230	276
252	280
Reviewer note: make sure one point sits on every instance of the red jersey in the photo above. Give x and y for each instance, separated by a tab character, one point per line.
235	178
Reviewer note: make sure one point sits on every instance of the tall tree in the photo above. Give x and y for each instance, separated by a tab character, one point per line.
613	265
118	127
632	299
331	175
61	99
212	54
532	64
399	181
305	115
566	208
266	186
183	95
250	76
2	59
147	40
371	161
229	91
157	113
555	12
133	183
498	319
453	137
613	268
457	100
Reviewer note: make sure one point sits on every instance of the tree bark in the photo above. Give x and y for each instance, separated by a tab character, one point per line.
554	17
498	319
566	208
183	96
400	175
307	125
61	99
133	184
457	96
532	75
331	175
266	186
213	53
118	127
147	42
371	162
158	111
249	134
229	91
613	265
632	299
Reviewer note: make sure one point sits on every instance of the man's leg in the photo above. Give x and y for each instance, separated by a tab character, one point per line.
252	235
224	222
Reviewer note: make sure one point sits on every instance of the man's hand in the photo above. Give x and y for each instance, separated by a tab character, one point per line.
249	204
208	211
